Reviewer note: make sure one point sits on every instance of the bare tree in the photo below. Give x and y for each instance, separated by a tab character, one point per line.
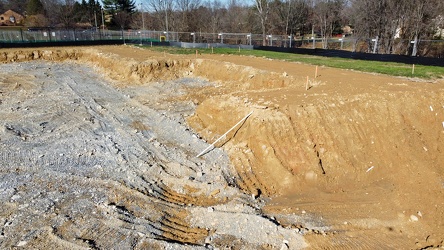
327	17
216	16
377	20
420	21
263	12
64	14
36	21
188	5
163	10
236	17
185	9
283	14
122	19
363	20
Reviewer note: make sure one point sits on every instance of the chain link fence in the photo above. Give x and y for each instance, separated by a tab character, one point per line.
431	48
57	35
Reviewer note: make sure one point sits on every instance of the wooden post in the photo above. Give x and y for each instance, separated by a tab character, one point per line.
316	72
212	50
196	53
413	69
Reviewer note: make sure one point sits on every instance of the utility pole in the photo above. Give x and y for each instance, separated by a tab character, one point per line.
143	26
103	23
165	5
166	22
143	20
95	20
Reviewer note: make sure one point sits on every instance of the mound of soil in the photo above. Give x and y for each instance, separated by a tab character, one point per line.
340	159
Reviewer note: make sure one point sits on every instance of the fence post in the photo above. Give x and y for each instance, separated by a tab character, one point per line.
376	44
342	41
415	46
21	34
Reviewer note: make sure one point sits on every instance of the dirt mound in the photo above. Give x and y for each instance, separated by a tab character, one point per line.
37	54
354	161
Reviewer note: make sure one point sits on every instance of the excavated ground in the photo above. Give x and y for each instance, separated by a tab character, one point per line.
98	150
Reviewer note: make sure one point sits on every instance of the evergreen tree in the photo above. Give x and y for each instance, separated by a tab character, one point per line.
35	7
114	6
95	6
18	6
121	11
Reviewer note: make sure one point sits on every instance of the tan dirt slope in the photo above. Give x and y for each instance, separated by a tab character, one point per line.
363	153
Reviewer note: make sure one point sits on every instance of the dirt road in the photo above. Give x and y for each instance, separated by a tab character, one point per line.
98	150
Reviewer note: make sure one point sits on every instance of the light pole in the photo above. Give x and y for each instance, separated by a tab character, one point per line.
103	23
166	17
95	21
143	25
166	22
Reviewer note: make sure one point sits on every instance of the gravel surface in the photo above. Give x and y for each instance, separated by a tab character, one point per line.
86	165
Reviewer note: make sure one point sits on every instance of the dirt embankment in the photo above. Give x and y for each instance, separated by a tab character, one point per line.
362	151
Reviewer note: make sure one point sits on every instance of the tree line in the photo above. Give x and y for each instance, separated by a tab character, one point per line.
380	24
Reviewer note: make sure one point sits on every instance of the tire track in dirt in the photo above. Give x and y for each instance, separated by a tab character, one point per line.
348	138
98	181
174	231
340	129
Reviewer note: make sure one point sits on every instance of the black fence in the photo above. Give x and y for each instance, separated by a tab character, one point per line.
429	61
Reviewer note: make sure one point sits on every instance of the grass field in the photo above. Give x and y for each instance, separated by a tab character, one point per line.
388	68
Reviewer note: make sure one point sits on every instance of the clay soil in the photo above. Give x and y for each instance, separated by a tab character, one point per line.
345	160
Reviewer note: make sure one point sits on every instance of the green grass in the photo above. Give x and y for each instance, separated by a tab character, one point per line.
388	68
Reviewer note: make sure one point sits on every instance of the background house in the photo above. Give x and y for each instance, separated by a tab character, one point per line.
11	18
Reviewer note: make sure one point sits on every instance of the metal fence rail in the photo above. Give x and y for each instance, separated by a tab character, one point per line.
55	35
432	48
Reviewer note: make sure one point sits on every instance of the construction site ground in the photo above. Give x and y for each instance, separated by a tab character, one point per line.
99	149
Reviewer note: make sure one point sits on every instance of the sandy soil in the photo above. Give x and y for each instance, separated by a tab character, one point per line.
353	162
